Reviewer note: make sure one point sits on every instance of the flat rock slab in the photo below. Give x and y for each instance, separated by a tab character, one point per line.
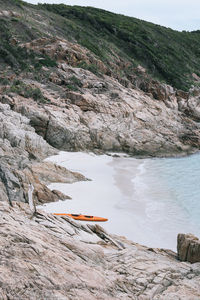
48	257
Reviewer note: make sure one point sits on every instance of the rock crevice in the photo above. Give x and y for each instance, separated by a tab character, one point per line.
58	258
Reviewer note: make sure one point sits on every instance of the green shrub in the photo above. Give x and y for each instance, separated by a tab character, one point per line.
17	57
74	83
27	91
4	81
18	3
90	67
72	87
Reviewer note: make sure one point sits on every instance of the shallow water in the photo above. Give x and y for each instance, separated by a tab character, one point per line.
147	200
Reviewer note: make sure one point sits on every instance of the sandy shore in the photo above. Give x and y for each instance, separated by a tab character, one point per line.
125	191
108	194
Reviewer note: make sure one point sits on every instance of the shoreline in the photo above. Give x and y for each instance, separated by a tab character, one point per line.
117	191
115	153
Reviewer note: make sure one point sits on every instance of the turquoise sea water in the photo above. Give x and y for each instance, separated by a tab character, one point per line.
177	182
149	201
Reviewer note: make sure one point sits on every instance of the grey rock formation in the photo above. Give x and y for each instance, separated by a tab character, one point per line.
20	150
112	118
16	132
87	111
47	257
188	248
11	184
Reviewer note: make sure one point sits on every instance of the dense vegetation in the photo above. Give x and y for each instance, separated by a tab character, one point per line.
17	57
168	55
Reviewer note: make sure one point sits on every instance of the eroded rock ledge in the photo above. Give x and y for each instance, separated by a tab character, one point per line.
48	257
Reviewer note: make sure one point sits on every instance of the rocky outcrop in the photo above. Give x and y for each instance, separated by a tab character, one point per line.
19	144
188	248
192	107
86	112
64	51
9	13
49	172
17	134
105	115
42	174
48	257
20	150
112	110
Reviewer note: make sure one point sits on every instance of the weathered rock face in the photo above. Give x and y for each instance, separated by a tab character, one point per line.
47	257
105	115
86	111
188	248
193	105
20	147
18	144
17	133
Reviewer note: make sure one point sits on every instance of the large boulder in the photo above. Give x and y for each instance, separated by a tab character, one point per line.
188	248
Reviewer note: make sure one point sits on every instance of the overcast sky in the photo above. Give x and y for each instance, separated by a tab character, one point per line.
177	14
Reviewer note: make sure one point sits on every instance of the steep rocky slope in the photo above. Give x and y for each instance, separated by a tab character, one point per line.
103	114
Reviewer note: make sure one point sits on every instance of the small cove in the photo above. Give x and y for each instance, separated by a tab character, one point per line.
149	201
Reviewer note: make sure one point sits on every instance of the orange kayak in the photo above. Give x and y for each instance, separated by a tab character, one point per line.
82	217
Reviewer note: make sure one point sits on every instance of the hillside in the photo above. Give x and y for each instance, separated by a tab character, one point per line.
167	55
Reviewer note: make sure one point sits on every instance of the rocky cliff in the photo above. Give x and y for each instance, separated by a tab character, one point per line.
57	93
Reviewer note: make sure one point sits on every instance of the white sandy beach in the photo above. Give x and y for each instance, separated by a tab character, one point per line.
123	190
